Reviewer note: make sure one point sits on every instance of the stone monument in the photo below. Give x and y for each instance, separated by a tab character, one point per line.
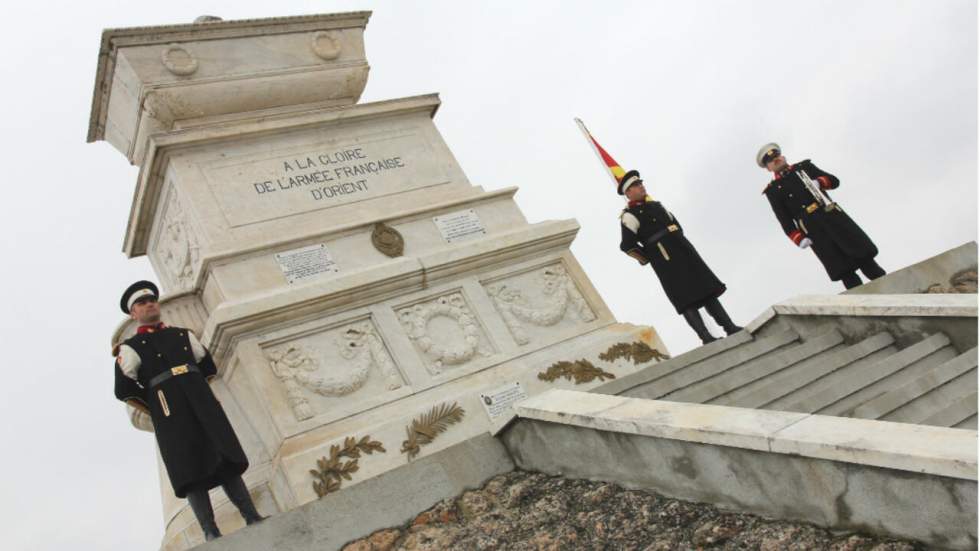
365	303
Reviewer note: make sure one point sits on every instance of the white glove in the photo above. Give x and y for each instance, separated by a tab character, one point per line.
140	420
805	242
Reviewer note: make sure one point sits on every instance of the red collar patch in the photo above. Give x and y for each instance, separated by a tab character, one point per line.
143	329
787	170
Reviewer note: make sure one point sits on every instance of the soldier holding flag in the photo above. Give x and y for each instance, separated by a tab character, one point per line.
652	234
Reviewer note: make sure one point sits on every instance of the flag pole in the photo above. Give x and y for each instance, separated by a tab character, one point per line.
595	148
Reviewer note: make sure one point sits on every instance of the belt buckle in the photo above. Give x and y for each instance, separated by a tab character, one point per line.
179	370
811	208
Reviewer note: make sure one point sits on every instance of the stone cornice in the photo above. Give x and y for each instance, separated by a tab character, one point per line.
112	39
160	146
231	320
217	258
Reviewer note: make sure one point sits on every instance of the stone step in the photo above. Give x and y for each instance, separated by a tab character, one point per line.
702	370
846	406
789	401
738	377
954	412
661	369
786	383
939	400
850	380
968	423
890	401
737	396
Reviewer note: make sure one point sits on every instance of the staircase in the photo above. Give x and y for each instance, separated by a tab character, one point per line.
842	362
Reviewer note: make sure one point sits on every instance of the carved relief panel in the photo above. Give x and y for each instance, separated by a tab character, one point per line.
538	303
445	332
333	368
175	247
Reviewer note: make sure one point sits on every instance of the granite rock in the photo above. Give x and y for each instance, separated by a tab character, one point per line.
527	511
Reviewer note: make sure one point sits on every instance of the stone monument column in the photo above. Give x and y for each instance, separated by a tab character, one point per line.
365	303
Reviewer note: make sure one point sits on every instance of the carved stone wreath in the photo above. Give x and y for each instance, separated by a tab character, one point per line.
416	320
325	46
361	343
297	366
179	60
561	296
177	247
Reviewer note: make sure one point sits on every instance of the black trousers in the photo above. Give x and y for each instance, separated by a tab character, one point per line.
869	268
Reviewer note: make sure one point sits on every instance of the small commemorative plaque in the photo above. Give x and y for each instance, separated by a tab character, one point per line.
457	226
500	401
306	262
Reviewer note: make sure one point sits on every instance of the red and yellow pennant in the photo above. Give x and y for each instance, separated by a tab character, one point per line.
615	170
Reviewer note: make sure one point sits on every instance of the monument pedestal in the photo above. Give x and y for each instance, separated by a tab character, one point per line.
367	306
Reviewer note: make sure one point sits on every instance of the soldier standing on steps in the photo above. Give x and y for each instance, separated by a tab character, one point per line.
653	235
810	218
163	372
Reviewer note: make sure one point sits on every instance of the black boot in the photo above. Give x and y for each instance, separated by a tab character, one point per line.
718	312
871	269
693	318
238	494
850	280
201	505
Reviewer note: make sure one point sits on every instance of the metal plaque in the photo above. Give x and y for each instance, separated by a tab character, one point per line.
457	226
306	262
500	401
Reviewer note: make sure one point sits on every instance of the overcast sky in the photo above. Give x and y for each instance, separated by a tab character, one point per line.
882	94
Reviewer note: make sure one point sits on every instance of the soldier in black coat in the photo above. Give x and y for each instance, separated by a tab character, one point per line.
653	235
164	372
810	218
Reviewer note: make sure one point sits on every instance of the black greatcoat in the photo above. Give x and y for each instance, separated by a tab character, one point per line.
197	443
839	243
686	279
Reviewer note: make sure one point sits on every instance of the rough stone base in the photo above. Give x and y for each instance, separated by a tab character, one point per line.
523	511
940	511
386	500
937	274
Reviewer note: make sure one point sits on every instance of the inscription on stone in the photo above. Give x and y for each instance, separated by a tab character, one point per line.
458	226
308	179
500	400
306	262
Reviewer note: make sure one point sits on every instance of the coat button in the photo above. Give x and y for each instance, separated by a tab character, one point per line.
159	355
185	348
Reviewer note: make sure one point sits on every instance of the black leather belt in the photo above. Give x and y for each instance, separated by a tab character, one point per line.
173	372
652	240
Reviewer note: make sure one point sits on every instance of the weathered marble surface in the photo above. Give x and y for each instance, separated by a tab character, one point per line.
932	275
880	305
929	495
252	146
916	448
156	79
